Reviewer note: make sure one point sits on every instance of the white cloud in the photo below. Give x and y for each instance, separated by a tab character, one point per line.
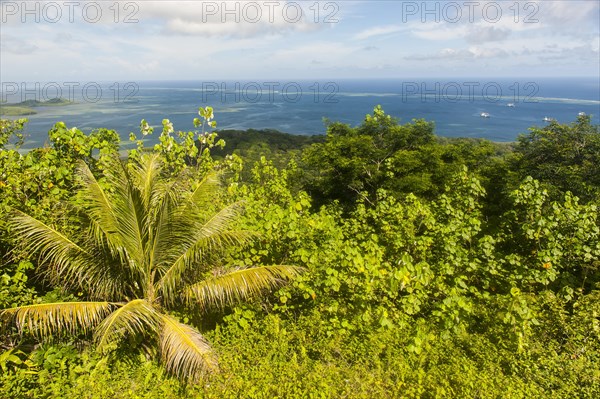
595	44
327	52
188	39
241	18
568	13
481	34
16	45
378	31
439	32
462	54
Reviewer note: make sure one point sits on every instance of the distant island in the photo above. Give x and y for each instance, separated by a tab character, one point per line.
25	108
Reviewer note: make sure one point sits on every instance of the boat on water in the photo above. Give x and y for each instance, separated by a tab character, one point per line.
511	105
546	119
484	115
582	114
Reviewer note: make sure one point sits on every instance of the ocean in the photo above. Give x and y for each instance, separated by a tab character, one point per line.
509	106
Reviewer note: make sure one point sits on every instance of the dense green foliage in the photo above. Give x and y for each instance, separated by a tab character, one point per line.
252	144
354	163
435	267
565	157
269	143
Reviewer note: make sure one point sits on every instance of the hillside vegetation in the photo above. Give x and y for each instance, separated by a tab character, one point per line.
377	261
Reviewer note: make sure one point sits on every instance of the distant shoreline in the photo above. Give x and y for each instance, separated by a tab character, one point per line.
25	108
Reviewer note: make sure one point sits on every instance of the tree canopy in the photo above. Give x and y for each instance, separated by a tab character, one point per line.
421	266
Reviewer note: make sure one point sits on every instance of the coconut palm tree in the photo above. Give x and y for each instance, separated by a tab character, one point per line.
148	248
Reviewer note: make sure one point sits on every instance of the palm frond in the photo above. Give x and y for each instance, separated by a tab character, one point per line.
39	236
131	215
196	243
67	263
145	175
204	192
100	210
46	319
219	223
165	228
185	352
134	317
121	219
64	255
240	284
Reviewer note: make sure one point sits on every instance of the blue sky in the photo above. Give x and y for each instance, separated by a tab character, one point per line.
196	40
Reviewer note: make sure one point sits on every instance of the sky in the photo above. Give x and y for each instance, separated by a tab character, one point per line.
57	41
